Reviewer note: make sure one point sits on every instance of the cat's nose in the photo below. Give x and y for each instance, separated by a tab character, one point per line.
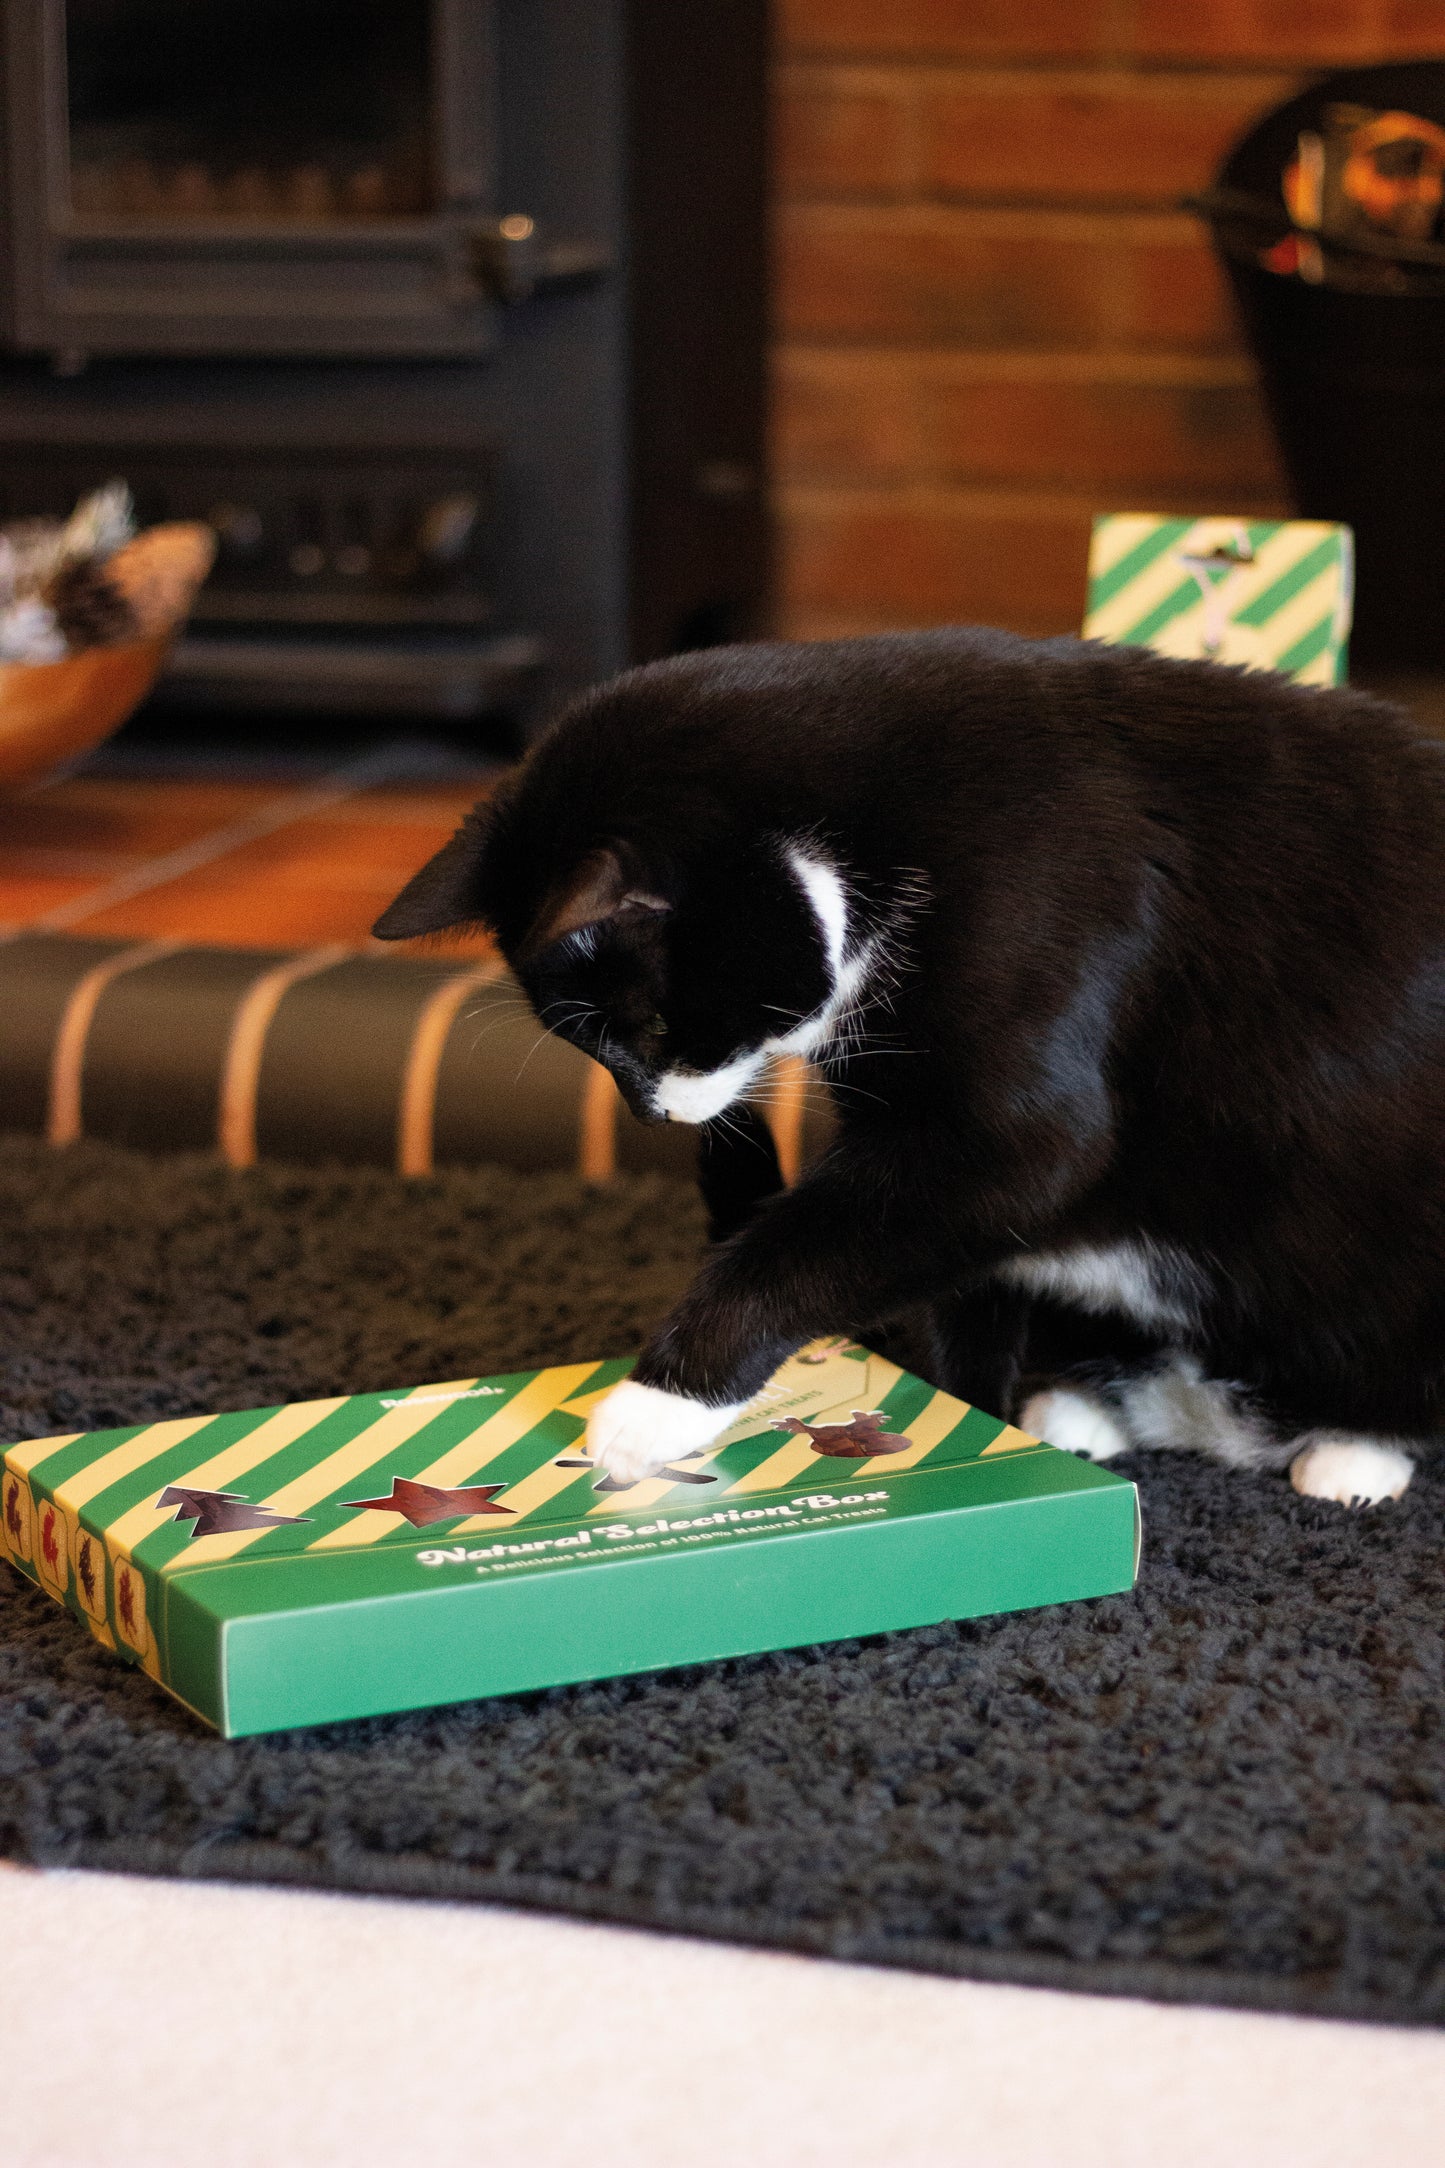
636	1089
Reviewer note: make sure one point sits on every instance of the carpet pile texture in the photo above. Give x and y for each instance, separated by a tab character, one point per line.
1226	1787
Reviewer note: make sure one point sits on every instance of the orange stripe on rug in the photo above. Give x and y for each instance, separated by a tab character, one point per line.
597	1126
786	1103
241	1069
416	1111
63	1121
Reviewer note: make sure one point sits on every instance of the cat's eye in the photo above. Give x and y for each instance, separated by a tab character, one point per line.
654	1028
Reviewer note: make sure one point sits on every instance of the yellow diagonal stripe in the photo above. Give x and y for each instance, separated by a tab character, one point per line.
223	1468
586	1402
779	1468
337	1470
462	1462
22	1458
525	1497
1011	1441
1295	617
77	1490
873	1382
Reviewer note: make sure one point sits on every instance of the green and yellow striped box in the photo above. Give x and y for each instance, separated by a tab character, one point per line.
1263	594
346	1557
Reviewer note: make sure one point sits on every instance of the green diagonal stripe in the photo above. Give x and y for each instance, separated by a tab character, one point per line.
1180	599
1305	650
1288	585
1137	560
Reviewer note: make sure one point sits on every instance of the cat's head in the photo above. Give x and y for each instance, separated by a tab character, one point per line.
653	912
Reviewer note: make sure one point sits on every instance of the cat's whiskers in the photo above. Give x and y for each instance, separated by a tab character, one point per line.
507	998
490	1024
840	1085
728	1122
540	1040
571	1012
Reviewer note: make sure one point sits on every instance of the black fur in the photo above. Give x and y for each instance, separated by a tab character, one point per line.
1168	954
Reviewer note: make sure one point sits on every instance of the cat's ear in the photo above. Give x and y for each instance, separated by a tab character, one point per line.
443	894
600	888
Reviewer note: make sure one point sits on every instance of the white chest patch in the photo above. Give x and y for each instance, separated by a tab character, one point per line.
822	884
1147	1282
689	1095
694	1095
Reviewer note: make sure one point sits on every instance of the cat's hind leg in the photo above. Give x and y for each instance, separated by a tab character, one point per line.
1073	1363
1172	1406
1350	1470
1176	1405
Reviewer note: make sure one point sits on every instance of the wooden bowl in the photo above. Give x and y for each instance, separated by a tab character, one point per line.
50	712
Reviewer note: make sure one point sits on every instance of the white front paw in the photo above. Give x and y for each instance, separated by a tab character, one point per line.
1074	1423
1350	1471
638	1429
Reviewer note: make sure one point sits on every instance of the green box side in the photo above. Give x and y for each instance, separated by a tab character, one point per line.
192	1645
463	1640
201	1689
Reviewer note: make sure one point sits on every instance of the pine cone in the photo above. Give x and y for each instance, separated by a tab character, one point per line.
91	610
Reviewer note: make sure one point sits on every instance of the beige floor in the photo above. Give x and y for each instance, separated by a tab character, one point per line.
162	2023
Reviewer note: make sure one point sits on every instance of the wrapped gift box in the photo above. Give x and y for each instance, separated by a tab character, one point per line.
1266	594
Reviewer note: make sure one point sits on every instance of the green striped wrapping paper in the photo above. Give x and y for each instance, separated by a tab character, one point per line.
1264	594
383	1551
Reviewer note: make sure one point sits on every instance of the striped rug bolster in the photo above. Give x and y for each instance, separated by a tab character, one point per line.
241	1072
416	1110
38	974
64	1119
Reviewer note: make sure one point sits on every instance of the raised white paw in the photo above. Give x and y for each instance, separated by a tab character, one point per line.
1351	1471
638	1429
1074	1424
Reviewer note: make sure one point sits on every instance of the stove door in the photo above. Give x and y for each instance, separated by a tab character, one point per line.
268	177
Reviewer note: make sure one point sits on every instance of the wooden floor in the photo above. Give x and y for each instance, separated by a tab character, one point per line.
241	863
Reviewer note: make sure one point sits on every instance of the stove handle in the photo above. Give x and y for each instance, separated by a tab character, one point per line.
513	261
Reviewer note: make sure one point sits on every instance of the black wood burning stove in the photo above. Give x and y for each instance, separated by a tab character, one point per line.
449	314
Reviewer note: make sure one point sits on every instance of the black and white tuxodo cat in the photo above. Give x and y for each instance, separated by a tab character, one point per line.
1127	975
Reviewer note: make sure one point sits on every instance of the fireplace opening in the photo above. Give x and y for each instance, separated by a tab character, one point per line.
258	111
447	314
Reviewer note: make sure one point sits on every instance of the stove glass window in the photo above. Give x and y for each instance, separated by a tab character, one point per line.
249	111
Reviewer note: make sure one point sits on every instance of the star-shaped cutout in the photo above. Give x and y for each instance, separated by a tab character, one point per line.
424	1503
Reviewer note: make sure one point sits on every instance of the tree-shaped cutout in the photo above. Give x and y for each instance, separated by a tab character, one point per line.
222	1513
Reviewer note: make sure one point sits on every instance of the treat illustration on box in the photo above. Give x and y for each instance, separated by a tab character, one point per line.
385	1551
861	1436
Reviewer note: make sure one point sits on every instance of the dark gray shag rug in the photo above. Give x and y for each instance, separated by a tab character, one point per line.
1228	1787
